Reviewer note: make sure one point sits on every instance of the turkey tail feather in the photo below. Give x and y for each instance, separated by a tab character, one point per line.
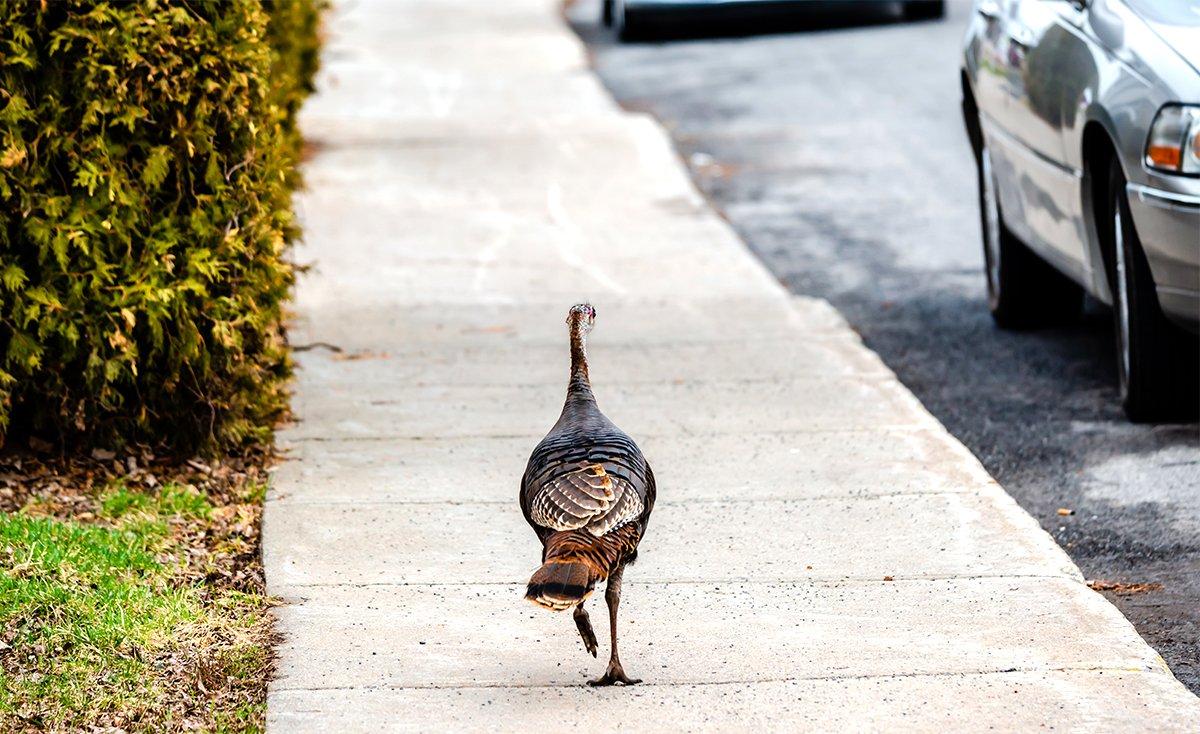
561	584
574	561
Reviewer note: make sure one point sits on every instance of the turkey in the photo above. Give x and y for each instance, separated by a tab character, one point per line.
587	492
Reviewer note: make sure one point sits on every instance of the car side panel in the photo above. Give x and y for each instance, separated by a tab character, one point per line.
1043	52
1107	83
992	82
1017	81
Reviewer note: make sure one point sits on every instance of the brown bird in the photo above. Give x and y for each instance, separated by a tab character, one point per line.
587	492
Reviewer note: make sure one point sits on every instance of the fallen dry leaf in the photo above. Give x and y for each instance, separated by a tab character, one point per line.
1064	511
363	354
1120	587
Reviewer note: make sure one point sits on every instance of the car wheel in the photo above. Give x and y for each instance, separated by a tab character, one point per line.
629	23
1024	291
924	9
1156	360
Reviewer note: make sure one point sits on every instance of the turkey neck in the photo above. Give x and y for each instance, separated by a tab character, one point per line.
579	389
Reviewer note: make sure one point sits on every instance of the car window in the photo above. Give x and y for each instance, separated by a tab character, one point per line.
1169	12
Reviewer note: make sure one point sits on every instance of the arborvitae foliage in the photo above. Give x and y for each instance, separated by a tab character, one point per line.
293	34
146	167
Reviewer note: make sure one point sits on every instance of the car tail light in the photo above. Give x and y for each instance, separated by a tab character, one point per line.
1174	142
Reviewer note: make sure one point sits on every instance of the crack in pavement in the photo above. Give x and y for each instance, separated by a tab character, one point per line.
752	681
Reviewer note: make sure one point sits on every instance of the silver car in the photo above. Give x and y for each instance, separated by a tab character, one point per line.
1085	122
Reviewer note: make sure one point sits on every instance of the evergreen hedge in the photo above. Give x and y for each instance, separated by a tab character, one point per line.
146	168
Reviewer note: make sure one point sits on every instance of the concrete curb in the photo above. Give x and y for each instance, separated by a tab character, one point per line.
825	553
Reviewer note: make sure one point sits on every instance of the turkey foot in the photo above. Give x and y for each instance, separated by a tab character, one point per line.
585	629
614	676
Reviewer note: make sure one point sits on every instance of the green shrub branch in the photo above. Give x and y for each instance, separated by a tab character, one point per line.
147	155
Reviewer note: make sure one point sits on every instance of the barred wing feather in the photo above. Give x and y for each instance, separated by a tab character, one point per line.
587	497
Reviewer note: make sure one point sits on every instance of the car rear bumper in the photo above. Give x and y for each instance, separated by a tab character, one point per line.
1168	225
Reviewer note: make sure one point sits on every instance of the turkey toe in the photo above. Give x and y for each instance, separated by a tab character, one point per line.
585	630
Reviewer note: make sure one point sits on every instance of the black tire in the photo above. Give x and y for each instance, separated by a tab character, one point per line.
606	13
1024	291
924	9
629	23
1156	360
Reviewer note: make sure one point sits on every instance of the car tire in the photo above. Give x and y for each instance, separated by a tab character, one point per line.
629	23
924	9
1156	360
1024	291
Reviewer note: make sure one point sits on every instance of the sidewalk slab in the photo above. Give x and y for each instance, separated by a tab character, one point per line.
349	409
744	632
1073	700
633	364
398	325
903	536
741	466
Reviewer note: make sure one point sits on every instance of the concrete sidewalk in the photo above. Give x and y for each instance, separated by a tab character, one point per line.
823	555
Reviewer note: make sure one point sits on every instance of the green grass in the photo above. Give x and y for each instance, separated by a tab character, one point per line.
119	501
107	634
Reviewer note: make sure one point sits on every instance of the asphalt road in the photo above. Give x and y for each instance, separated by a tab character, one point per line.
836	150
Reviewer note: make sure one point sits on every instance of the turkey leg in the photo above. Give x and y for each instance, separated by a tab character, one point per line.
585	629
615	673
